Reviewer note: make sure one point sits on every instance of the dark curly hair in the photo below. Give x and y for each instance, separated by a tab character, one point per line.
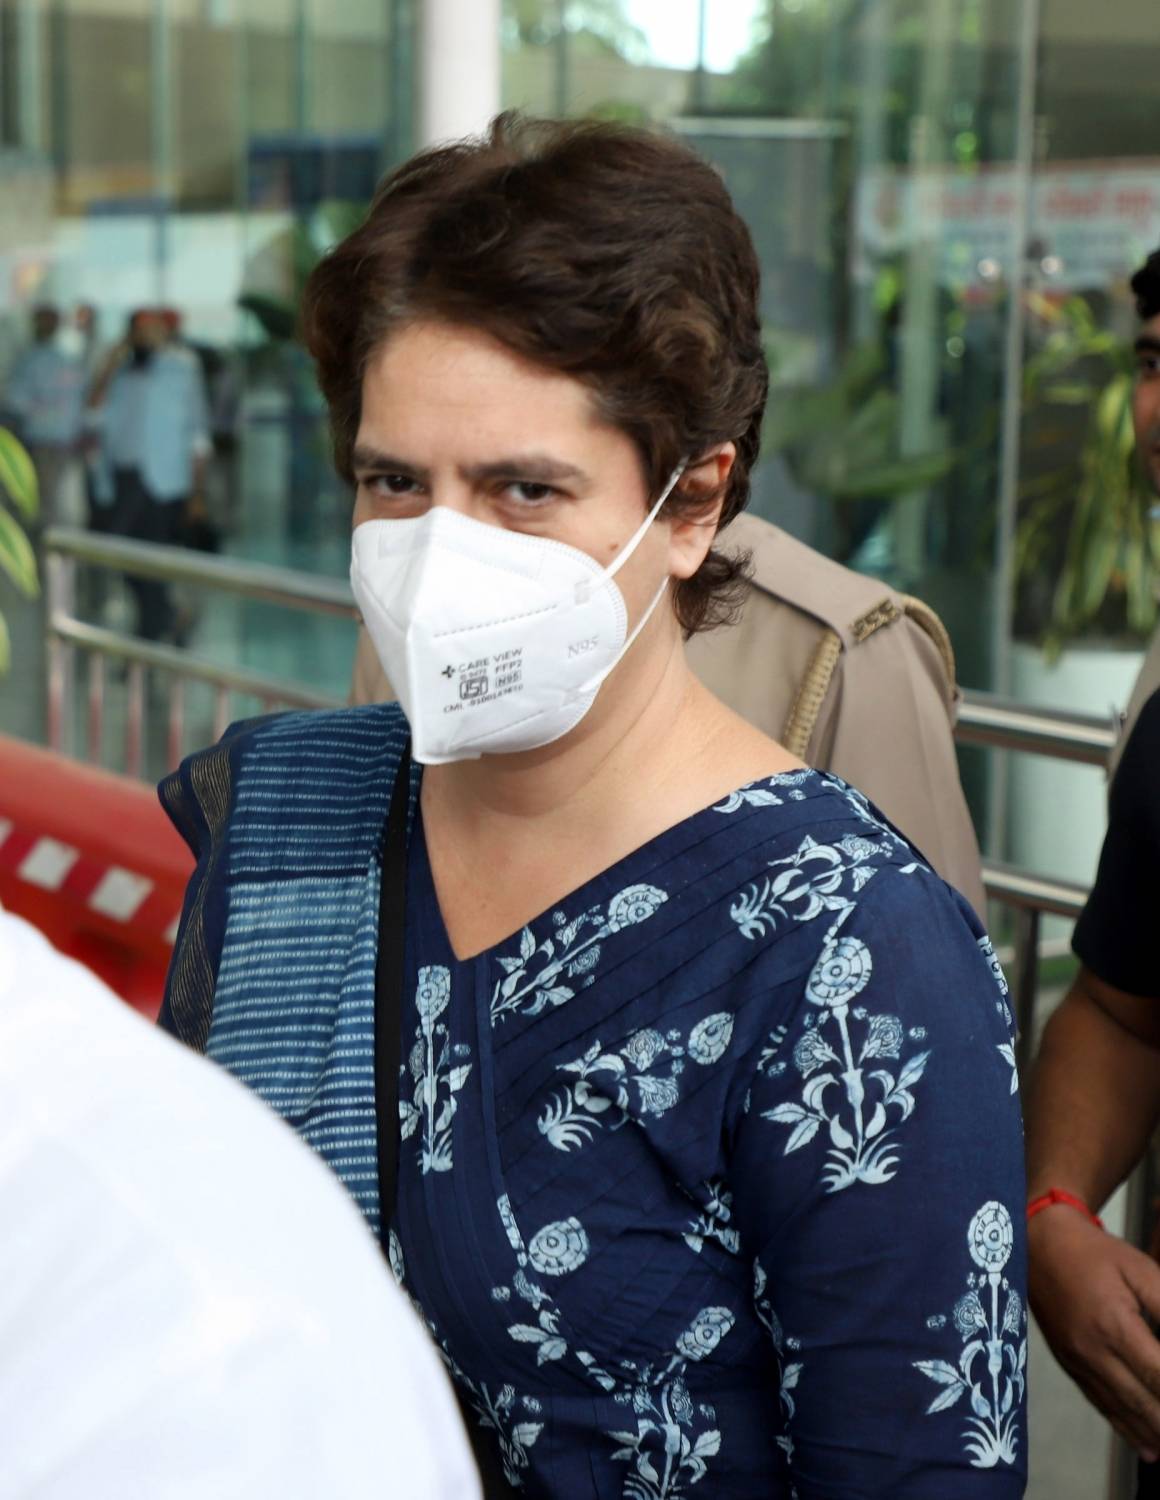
1146	285
607	253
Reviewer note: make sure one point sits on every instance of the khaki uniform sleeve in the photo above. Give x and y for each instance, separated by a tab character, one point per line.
369	683
820	646
756	667
887	727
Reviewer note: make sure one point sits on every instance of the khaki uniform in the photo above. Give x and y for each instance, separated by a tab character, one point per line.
846	674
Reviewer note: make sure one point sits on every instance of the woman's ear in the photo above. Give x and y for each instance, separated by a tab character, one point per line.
691	533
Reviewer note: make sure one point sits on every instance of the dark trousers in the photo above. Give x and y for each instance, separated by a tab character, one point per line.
51	462
1149	1482
140	515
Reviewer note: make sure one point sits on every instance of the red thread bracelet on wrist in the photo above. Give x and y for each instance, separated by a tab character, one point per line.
1069	1200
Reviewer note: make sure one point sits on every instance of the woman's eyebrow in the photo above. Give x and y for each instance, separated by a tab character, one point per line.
536	467
365	457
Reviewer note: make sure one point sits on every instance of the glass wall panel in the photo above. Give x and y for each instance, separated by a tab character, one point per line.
861	143
199	155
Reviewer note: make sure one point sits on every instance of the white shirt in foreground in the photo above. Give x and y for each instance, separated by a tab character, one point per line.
191	1308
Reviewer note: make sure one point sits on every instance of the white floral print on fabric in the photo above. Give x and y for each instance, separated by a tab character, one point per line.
1003	1000
817	878
785	1348
763	794
1002	1005
991	1321
714	1221
439	1070
674	1440
862	810
861	1110
498	1411
602	1096
544	1333
395	1257
538	978
709	1039
556	1250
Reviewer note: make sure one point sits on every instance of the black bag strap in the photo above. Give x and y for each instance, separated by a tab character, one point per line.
389	985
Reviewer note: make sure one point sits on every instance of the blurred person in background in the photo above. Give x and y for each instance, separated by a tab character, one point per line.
80	336
45	394
189	1303
1095	1089
697	1079
83	338
151	409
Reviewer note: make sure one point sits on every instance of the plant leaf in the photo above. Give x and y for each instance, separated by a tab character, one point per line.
16	556
17	475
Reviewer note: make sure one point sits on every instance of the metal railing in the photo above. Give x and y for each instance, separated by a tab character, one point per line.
984	720
65	548
1002	724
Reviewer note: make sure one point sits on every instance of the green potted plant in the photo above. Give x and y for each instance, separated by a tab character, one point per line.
1086	560
1086	570
19	496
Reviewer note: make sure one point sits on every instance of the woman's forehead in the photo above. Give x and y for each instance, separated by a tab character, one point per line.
433	379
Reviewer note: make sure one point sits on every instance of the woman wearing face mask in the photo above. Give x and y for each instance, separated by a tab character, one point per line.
696	1142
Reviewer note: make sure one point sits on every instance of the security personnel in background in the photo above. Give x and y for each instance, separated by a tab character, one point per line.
1146	423
1094	1096
845	673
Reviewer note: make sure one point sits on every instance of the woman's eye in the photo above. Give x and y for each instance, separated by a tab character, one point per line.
530	493
390	484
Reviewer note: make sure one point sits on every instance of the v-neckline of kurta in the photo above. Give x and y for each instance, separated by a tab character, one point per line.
580	896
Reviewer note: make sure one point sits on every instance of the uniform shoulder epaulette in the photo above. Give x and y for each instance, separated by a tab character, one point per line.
850	608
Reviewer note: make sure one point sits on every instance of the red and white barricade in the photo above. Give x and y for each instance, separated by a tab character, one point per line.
91	859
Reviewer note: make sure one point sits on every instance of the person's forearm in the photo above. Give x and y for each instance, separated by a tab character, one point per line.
1094	1100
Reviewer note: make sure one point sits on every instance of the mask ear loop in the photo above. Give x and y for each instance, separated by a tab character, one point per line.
595	682
583	590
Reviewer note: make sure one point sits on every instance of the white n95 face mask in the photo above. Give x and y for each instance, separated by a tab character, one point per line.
494	641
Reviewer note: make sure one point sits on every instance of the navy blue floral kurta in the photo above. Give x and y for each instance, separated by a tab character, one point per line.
711	1177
